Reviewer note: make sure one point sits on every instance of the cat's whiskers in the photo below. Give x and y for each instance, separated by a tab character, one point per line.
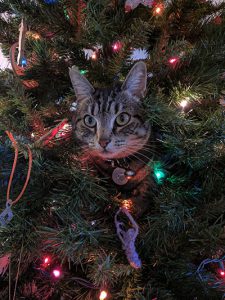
139	153
131	153
149	150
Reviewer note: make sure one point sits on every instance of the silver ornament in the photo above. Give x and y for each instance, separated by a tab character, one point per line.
119	177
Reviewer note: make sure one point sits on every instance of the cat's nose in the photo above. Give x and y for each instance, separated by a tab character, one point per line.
104	142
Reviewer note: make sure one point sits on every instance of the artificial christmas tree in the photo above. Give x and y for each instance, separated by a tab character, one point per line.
74	233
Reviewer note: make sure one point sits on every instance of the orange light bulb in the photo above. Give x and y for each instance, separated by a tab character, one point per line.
94	56
128	204
158	10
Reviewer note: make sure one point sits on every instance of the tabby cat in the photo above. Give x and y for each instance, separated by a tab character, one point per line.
110	127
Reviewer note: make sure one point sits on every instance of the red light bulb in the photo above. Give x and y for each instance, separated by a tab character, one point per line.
56	273
173	61
222	273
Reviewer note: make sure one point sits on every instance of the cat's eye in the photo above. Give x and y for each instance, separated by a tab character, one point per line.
89	121
123	119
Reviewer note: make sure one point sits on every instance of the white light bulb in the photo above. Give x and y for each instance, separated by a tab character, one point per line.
183	103
103	295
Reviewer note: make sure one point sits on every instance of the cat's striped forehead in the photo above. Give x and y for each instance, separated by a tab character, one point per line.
109	101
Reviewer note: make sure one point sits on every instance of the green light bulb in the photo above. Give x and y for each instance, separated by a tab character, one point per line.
82	72
159	174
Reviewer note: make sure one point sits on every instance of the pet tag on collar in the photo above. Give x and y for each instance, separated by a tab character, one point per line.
119	177
7	214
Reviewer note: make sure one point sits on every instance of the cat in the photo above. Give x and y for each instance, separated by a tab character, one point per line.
110	126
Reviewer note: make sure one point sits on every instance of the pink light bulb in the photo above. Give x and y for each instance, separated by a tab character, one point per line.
117	46
56	273
46	260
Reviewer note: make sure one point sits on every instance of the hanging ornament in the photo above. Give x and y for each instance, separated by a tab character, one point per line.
60	132
7	215
22	35
19	66
128	238
132	4
119	176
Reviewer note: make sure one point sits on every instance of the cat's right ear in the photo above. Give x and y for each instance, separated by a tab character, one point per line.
82	87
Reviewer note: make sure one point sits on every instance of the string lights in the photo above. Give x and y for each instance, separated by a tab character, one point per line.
56	273
103	295
158	9
183	103
94	56
117	46
159	173
128	204
23	62
174	60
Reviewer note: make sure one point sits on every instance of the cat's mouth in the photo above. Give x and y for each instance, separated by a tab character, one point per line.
106	154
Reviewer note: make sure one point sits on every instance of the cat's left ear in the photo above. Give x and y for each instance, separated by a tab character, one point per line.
82	87
136	80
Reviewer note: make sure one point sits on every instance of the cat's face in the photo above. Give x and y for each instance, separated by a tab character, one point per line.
109	123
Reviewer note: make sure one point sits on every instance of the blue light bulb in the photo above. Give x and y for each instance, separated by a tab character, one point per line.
50	1
24	62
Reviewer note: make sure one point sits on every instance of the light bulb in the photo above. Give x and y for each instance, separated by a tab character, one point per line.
158	10
103	295
117	46
128	204
94	56
56	273
173	60
46	260
183	103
